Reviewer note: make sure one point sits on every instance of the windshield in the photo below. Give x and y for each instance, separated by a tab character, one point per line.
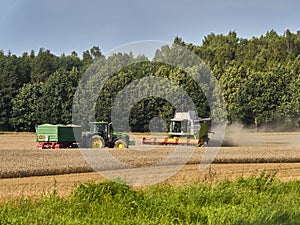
98	127
175	126
180	126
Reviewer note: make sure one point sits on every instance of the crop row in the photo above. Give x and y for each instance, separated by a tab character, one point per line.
34	162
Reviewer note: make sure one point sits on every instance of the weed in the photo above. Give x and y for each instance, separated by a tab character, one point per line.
255	200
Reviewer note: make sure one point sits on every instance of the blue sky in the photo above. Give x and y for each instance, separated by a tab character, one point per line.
66	25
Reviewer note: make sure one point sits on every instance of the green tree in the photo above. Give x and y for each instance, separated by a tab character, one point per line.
288	112
219	49
14	72
70	61
25	107
56	102
43	65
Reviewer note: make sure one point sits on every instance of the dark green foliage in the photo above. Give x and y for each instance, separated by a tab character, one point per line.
147	108
258	77
14	72
55	104
43	65
259	80
256	200
25	107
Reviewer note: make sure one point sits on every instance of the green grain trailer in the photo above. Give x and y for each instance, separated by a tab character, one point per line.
58	136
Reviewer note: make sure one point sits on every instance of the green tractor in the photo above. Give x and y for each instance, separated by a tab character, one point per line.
101	134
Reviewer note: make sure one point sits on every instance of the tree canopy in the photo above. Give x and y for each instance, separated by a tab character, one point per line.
259	79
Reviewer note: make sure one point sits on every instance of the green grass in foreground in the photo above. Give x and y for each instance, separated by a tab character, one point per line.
257	200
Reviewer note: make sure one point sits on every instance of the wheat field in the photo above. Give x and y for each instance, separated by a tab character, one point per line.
27	171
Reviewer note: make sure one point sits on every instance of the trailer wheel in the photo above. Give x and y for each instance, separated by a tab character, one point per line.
121	144
97	142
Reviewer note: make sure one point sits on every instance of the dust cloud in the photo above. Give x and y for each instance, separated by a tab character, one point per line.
237	135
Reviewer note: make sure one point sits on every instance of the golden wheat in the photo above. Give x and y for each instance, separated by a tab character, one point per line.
21	158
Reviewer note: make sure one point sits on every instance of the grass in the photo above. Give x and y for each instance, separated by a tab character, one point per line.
256	200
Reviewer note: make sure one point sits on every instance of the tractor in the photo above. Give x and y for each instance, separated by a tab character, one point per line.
186	129
101	134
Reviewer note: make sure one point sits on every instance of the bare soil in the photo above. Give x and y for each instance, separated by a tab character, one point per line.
28	171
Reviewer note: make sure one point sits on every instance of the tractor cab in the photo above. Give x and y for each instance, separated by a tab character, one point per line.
102	127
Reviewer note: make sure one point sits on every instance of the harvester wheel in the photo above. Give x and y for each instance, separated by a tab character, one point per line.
97	142
120	144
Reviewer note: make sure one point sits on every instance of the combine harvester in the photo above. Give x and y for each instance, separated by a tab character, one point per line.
186	129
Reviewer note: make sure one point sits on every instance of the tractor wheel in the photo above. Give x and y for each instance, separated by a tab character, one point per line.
97	142
120	144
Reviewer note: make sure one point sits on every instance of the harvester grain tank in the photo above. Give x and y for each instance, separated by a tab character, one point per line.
186	129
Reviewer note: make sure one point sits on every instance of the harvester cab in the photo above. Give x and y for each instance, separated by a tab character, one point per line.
186	128
187	123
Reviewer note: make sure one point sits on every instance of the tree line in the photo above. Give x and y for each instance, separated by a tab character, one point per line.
259	80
